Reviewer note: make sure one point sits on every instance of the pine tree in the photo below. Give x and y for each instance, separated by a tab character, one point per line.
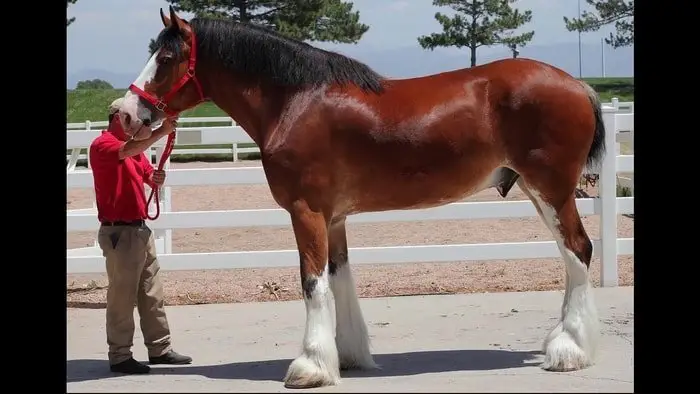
620	12
70	20
478	23
307	20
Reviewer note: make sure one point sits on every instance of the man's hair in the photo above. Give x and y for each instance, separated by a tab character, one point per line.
114	108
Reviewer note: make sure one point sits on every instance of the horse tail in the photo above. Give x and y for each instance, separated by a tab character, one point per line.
597	149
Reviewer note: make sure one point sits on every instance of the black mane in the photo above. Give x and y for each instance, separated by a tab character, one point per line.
262	54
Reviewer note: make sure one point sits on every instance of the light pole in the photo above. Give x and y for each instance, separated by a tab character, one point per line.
580	68
602	55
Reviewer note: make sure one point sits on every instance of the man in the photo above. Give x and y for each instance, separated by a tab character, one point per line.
120	169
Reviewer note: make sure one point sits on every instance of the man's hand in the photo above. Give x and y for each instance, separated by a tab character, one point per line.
168	126
158	177
134	147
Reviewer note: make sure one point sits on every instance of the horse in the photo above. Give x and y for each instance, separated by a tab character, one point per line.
337	138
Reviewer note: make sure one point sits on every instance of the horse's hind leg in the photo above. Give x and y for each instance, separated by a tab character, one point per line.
571	345
351	336
318	363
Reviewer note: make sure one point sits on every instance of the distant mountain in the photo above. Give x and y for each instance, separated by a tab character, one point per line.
411	61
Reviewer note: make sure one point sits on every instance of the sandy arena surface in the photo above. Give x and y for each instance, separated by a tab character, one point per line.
245	285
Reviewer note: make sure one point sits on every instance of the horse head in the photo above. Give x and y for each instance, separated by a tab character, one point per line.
167	85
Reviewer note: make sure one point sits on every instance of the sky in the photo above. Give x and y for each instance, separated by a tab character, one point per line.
113	35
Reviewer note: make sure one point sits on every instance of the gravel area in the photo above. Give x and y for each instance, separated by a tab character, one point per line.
270	284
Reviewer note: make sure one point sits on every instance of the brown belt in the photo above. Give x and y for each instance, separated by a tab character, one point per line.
134	223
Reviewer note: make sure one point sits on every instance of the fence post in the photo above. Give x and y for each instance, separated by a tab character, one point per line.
165	206
88	127
616	104
607	193
234	146
166	198
77	152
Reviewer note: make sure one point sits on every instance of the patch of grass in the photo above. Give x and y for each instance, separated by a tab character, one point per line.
626	148
623	191
607	88
92	104
213	158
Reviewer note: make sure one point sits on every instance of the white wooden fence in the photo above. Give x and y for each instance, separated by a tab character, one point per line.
619	123
626	135
226	134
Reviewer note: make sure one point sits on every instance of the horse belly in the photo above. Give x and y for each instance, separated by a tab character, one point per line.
426	155
421	182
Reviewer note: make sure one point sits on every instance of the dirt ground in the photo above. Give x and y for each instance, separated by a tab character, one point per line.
270	284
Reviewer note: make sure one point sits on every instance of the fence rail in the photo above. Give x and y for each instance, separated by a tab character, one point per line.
619	123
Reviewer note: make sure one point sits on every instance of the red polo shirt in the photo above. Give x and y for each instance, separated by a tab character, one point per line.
118	183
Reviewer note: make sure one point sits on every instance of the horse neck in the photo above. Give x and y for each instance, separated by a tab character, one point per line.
254	108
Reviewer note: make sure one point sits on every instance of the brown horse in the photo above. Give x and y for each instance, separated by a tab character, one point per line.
338	139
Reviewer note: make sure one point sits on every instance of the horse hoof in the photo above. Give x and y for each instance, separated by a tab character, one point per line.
304	373
303	384
564	355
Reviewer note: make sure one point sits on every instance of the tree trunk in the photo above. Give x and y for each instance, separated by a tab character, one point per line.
473	50
243	11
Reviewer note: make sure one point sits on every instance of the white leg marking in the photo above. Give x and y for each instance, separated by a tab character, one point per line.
351	335
572	344
318	363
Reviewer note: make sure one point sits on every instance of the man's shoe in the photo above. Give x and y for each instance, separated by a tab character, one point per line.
170	357
130	366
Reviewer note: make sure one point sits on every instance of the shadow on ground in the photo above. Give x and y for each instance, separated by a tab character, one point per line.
394	364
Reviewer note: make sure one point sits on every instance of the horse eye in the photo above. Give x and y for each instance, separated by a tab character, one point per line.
164	60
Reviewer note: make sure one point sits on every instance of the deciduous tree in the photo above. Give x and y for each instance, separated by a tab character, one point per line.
94	84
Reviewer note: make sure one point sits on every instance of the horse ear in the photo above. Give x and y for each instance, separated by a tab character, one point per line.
176	20
165	19
178	23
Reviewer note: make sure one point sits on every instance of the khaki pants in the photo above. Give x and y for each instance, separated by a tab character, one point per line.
132	271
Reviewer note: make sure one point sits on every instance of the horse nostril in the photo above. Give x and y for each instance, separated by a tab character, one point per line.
127	119
147	122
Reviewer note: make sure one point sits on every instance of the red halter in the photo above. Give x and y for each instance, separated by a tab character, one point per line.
162	105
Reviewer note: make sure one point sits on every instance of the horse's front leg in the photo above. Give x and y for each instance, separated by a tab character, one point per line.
351	336
318	363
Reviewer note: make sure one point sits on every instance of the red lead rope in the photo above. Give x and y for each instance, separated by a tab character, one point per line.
156	190
162	105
